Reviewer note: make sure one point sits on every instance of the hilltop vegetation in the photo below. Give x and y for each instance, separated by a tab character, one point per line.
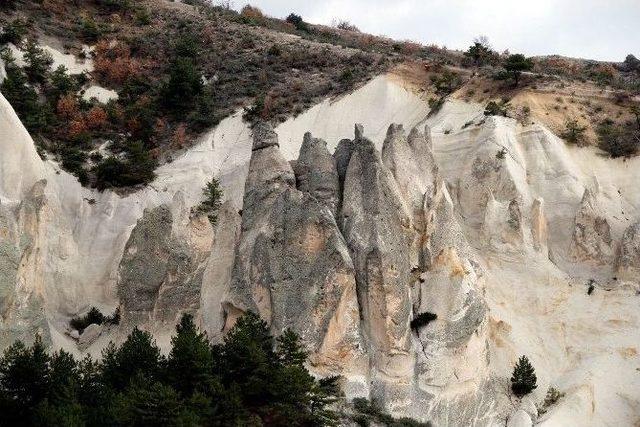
179	68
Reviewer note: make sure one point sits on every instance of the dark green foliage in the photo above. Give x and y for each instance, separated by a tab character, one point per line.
480	52
115	5
523	379
138	356
13	32
573	132
37	62
423	319
446	82
190	362
517	63
298	22
212	200
184	84
61	84
494	108
618	140
93	316
137	168
247	380
290	350
23	98
435	104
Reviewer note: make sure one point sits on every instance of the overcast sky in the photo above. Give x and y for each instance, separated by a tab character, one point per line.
593	29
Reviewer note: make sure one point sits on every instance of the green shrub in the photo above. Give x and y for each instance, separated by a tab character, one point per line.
13	32
435	104
494	108
573	132
212	200
37	62
523	380
94	316
137	168
297	22
183	86
35	116
516	64
618	140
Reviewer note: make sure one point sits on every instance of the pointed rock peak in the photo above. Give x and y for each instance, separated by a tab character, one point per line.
415	134
587	196
395	130
308	142
359	131
264	136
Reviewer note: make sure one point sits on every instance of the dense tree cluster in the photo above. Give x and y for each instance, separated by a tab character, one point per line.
249	379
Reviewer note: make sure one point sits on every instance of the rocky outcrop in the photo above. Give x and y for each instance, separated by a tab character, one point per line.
539	232
316	172
22	293
162	267
292	265
628	263
592	239
377	228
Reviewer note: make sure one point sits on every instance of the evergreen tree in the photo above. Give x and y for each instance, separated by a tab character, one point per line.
190	362
291	352
38	62
212	200
523	380
183	86
138	355
516	64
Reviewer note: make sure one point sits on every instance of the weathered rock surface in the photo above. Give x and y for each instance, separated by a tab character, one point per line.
160	275
377	228
592	240
292	265
316	173
22	294
629	256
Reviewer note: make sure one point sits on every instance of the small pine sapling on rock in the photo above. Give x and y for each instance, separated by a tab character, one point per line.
212	200
523	380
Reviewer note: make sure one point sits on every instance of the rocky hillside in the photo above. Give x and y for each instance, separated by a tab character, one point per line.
419	239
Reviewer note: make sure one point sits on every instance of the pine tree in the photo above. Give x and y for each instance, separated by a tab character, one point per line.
290	351
189	365
139	354
523	380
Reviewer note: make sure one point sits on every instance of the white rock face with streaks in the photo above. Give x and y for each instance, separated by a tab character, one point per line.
499	246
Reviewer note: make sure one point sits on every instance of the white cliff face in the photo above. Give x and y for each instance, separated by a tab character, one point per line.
494	227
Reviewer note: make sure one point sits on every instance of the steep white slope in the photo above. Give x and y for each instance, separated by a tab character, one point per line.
535	286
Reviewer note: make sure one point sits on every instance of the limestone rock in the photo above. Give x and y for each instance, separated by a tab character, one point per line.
628	263
413	167
519	419
592	239
89	335
22	293
377	228
316	172
161	271
292	265
539	231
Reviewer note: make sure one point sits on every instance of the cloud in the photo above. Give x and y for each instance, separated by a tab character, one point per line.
594	29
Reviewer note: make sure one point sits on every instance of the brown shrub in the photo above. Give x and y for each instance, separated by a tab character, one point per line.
251	12
113	62
96	118
179	138
76	127
67	107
